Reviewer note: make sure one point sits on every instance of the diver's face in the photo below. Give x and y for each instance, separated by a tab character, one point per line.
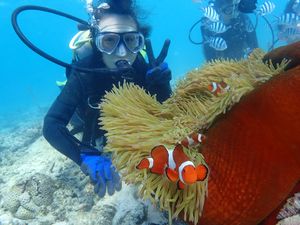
118	24
228	12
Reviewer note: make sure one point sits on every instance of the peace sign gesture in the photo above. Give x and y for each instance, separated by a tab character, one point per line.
162	55
158	72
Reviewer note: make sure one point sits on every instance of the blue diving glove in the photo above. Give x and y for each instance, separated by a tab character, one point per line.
102	173
159	72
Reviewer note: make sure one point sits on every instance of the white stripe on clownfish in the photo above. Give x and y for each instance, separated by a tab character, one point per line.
200	137
171	162
150	162
214	86
181	167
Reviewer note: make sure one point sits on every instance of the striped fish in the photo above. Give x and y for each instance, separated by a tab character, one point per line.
289	34
266	8
218	27
217	43
289	19
210	13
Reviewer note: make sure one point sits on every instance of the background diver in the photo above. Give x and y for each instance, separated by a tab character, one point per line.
116	39
227	32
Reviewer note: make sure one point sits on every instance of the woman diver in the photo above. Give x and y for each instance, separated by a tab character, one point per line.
117	38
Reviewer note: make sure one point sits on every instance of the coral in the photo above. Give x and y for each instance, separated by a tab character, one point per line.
106	214
25	214
13	139
11	200
132	216
25	198
41	189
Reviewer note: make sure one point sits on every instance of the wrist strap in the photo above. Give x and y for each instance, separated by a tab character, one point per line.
90	152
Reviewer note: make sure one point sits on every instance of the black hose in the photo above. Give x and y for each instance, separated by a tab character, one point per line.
190	31
272	46
256	22
272	33
39	51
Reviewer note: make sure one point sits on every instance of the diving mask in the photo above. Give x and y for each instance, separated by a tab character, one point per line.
108	41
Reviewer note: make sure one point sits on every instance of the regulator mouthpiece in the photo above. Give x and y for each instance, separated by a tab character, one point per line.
127	70
122	64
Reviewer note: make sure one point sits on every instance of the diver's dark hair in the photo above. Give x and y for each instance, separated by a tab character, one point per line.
247	6
123	7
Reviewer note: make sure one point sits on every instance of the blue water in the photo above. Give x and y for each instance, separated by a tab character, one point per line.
27	80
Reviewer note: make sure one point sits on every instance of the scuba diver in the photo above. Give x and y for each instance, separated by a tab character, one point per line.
227	32
116	39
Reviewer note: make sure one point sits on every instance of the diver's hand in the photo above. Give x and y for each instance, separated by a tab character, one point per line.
102	173
159	72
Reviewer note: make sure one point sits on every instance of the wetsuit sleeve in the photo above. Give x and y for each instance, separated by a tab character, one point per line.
59	115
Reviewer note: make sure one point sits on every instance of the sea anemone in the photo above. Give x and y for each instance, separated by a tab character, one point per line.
136	122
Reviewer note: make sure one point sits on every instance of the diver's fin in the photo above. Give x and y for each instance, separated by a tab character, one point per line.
171	174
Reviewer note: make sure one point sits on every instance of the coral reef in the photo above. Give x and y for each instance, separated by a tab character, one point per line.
26	199
43	187
15	139
250	147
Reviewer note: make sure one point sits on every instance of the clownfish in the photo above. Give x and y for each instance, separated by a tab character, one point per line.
217	88
193	139
175	164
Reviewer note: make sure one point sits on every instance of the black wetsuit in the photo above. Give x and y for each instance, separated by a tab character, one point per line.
239	39
84	88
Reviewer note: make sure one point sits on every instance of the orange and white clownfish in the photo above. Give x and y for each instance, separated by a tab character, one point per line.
193	139
217	88
175	164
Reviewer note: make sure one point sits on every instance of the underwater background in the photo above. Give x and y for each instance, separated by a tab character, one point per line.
28	88
27	80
